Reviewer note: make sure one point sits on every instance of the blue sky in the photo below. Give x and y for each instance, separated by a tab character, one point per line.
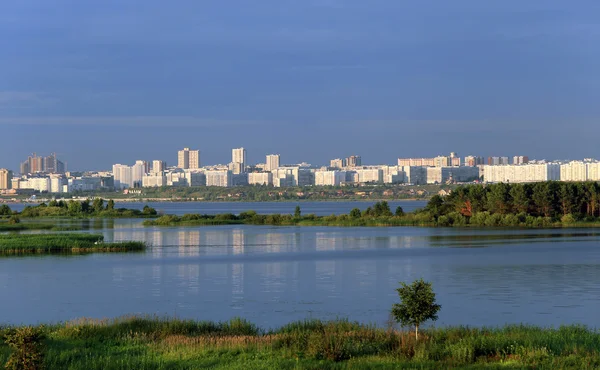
112	81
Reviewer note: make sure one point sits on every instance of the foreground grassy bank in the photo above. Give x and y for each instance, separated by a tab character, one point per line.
154	343
62	243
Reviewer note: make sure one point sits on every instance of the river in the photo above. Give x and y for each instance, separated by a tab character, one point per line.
273	275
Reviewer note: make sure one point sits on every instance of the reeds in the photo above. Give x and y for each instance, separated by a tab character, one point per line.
164	343
62	243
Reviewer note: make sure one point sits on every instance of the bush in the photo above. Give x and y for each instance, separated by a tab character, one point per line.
568	219
27	349
13	220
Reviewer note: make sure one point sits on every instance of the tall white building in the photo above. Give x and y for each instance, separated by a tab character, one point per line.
188	159
238	155
123	176
272	162
159	166
138	170
5	179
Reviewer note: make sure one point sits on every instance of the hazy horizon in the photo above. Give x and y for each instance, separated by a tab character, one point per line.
114	81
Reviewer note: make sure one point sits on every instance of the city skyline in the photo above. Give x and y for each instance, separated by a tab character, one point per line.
382	78
197	162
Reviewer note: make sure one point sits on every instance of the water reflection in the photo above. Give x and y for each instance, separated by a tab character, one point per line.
272	275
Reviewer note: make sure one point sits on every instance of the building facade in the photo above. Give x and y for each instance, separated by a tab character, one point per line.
5	179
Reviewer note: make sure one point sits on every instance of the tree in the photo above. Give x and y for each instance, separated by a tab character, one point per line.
355	213
520	198
382	209
85	206
74	207
498	198
110	205
98	205
297	212
399	211
417	304
149	211
5	210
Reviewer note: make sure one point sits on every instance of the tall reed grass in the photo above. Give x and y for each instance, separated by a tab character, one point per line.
162	343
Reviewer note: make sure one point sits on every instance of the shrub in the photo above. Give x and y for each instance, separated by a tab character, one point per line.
27	349
567	219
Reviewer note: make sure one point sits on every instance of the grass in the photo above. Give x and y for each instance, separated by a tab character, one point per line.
5	226
62	243
163	343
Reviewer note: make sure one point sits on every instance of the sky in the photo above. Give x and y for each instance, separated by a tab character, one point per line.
114	81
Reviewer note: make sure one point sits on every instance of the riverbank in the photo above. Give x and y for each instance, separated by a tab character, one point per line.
12	244
164	343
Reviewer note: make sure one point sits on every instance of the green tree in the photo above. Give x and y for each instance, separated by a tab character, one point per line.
355	213
519	195
297	212
5	210
110	205
149	211
98	205
53	203
478	197
568	198
498	199
399	211
85	206
382	209
74	207
435	206
544	195
417	304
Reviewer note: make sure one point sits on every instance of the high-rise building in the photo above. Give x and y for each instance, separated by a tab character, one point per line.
53	165
238	155
123	176
138	170
188	159
5	179
35	164
337	163
472	161
520	159
354	161
158	166
272	162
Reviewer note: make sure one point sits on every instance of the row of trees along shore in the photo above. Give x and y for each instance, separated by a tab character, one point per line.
97	207
517	204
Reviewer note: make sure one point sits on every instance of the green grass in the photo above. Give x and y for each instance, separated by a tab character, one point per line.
5	226
162	343
62	243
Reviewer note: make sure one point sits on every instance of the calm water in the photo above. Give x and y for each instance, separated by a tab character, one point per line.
272	275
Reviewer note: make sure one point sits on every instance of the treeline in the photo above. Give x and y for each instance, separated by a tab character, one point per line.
538	205
73	208
379	214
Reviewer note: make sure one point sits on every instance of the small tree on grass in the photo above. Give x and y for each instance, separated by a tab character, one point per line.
417	304
297	212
